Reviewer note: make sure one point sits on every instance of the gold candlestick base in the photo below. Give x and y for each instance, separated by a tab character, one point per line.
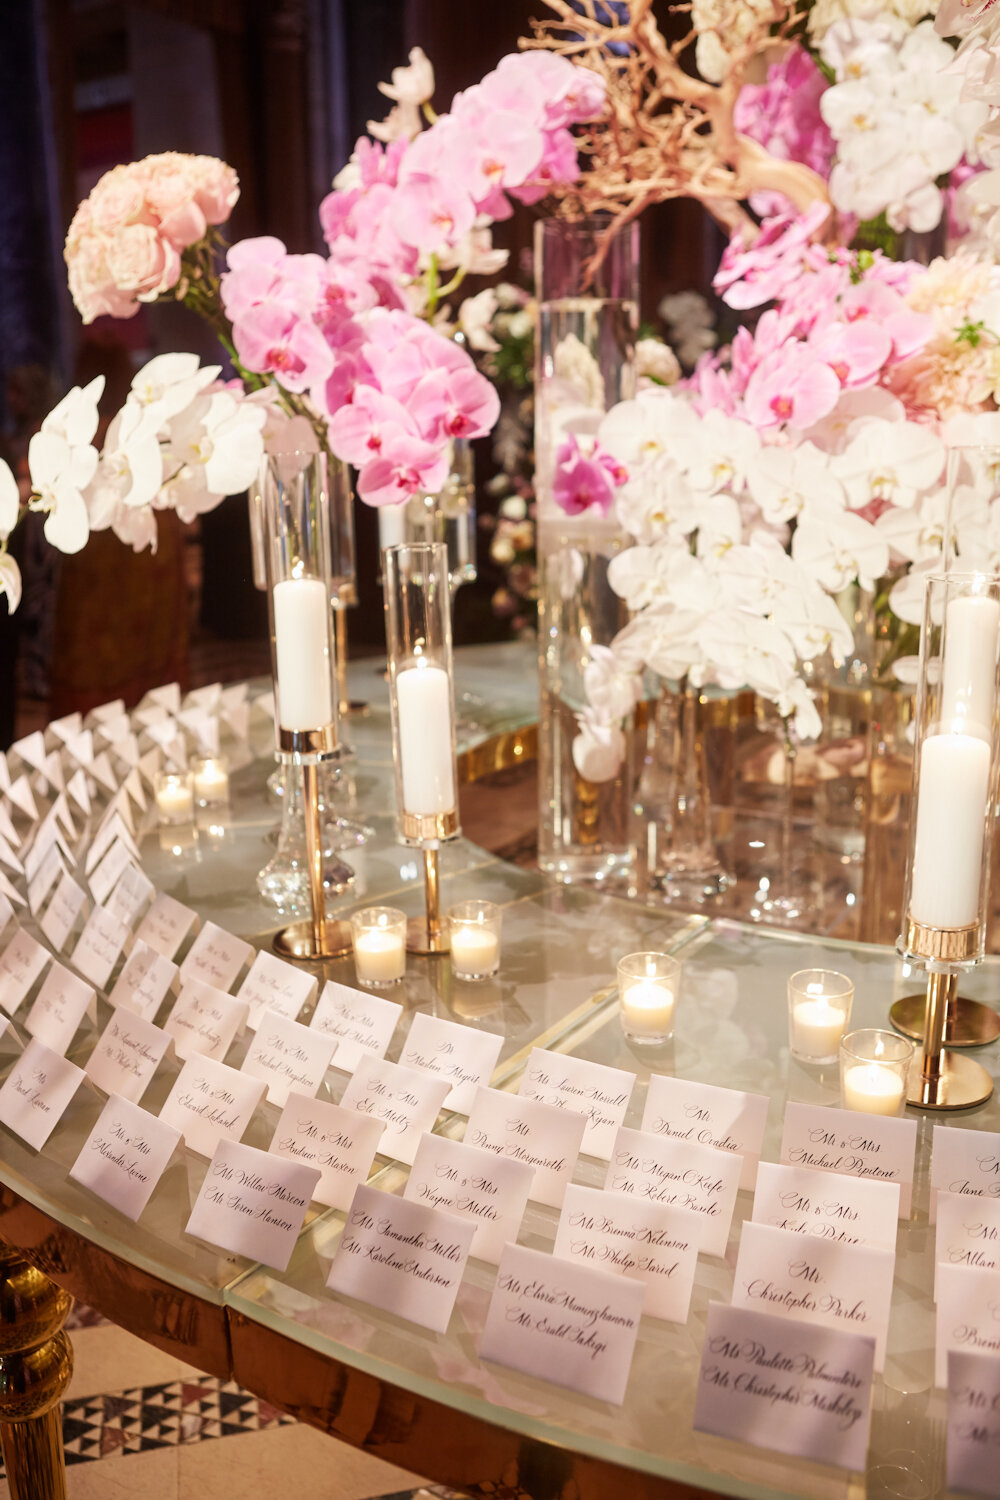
967	1024
302	942
422	939
961	1083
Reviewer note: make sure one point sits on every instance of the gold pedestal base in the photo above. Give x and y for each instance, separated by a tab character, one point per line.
299	941
36	1363
422	939
967	1024
961	1084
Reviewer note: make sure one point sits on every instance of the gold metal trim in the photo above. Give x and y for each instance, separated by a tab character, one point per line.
967	1024
961	1083
308	741
953	945
437	826
302	942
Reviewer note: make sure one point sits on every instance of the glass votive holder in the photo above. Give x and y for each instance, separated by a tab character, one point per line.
819	1009
474	927
173	792
379	937
648	986
874	1069
211	779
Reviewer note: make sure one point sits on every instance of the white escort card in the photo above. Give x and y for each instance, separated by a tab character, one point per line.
166	925
167	696
880	1148
7	828
827	1205
80	748
649	1242
405	1258
204	1020
50	867
566	1323
23	798
133	891
846	1286
31	749
59	920
209	1100
600	1093
727	1119
99	946
462	1056
215	957
798	1388
9	858
36	1093
6	913
968	1233
542	1136
145	979
288	1056
60	1006
964	1161
21	962
491	1192
125	1155
339	1142
65	728
104	876
252	1203
76	788
973	1437
405	1100
127	1054
111	828
680	1174
968	1301
10	891
276	986
363	1024
101	770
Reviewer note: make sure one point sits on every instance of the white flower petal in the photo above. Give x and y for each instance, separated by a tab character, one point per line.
10	581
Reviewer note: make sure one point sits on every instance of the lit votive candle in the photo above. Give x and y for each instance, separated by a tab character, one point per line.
874	1066
174	793
211	779
474	928
379	936
819	1008
648	984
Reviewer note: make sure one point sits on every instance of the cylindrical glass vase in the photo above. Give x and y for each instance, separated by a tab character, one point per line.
448	516
972	524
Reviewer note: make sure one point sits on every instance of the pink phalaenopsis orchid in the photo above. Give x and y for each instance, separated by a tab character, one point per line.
790	386
586	482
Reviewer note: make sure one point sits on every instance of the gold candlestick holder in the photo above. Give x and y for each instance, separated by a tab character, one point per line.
428	935
318	938
946	1080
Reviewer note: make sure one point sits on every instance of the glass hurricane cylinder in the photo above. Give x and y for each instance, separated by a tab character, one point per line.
676	802
449	516
972	525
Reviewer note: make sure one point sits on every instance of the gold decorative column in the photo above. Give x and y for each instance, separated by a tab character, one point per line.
36	1363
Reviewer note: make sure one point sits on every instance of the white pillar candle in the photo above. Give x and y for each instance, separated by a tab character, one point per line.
380	955
475	949
970	654
211	782
817	1027
391	525
952	797
871	1087
302	650
427	762
648	1008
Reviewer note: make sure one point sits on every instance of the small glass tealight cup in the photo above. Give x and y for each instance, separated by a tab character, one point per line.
819	1010
379	937
211	779
173	792
874	1071
648	987
474	929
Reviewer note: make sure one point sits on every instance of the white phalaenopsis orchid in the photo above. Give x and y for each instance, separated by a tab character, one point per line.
170	382
10	500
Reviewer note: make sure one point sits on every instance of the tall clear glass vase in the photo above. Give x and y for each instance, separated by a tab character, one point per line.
676	803
587	289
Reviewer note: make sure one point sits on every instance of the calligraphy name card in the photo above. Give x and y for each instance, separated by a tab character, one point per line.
60	1006
465	1058
964	1161
204	1020
288	1056
846	1286
99	946
132	892
51	867
973	1438
405	1258
6	913
338	1142
711	1116
68	901
252	1203
362	1024
599	1093
127	1054
541	1136
680	1174
125	1155
827	1205
275	986
104	877
798	1388
968	1233
209	1100
878	1148
215	957
21	962
36	1093
490	1192
112	827
566	1323
968	1314
145	979
406	1101
166	925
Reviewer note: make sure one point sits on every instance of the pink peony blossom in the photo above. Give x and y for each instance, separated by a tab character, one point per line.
583	483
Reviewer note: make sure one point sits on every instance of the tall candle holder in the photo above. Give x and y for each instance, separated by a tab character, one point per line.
956	767
421	690
299	563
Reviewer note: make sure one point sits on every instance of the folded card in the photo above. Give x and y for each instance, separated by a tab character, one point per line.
204	1020
128	1053
166	925
125	1156
599	1093
967	1233
21	963
968	1313
680	1174
648	1242
541	1136
59	1008
288	1057
252	1203
406	1101
99	946
491	1192
104	876
878	1148
36	1093
727	1119
362	1024
964	1161
827	1205
131	894
58	921
144	981
276	986
462	1056
215	957
209	1100
339	1142
973	1438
